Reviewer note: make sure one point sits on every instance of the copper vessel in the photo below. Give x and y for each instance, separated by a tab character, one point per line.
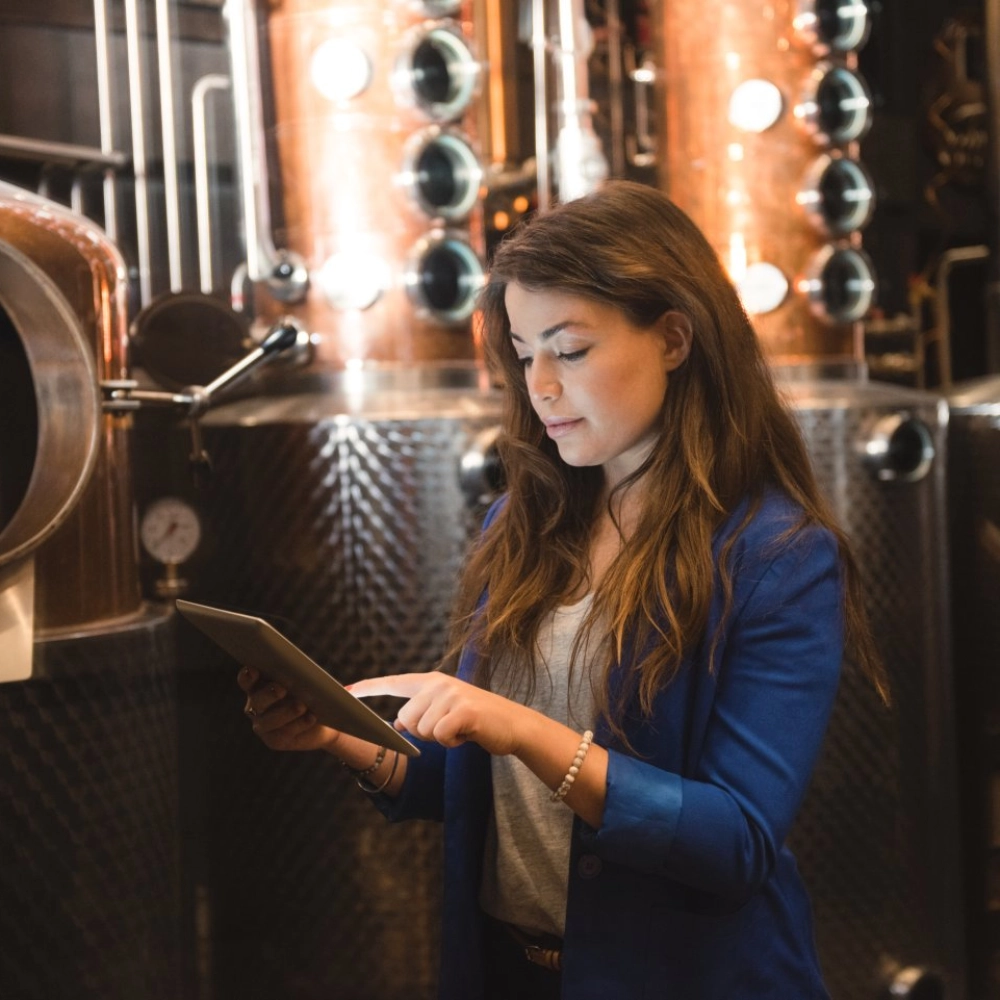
374	128
763	108
86	571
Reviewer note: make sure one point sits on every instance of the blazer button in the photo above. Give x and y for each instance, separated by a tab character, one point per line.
589	866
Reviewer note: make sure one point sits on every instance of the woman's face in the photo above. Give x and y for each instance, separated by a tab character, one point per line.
595	379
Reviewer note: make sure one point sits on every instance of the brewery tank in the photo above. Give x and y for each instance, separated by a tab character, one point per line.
974	522
344	492
89	885
763	110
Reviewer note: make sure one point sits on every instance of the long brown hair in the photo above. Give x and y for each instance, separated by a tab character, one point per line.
726	436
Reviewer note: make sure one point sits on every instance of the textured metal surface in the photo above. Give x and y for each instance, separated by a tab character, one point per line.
347	532
877	838
974	515
89	876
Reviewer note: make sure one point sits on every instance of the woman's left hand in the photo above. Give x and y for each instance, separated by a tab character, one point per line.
450	711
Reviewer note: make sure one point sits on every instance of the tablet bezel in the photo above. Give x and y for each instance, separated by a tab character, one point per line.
255	643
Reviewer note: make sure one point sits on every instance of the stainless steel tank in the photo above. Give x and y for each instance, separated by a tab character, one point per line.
878	836
974	515
344	494
342	513
89	884
763	110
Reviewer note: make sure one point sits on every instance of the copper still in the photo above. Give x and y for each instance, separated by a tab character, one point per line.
764	108
65	298
374	128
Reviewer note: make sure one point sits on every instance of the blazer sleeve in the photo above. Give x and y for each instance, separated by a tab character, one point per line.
720	827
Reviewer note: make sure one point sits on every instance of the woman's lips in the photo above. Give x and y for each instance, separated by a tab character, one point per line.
560	428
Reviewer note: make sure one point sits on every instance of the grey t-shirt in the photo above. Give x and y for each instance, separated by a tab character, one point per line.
526	861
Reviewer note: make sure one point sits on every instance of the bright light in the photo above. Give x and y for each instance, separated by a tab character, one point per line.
755	105
340	69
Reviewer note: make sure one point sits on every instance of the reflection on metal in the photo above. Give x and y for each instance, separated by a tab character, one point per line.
73	280
833	25
877	838
899	448
203	209
168	134
352	486
137	111
837	196
444	277
17	619
773	178
63	153
442	173
371	175
835	106
436	71
251	155
838	284
104	113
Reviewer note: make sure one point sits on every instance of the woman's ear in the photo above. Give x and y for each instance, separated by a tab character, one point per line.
675	328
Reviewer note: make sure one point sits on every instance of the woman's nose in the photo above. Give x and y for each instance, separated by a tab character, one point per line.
543	382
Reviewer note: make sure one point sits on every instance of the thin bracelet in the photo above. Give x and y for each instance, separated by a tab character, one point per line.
371	789
379	757
574	769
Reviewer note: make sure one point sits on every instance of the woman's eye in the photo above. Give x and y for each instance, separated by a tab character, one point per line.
524	361
572	355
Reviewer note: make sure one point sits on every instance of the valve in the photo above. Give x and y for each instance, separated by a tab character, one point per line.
125	396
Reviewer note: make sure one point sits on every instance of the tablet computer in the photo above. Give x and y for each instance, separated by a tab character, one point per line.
255	643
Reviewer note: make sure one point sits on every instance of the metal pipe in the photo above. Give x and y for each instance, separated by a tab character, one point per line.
133	46
251	155
168	129
105	117
580	162
991	42
76	196
539	64
616	101
202	195
957	255
61	153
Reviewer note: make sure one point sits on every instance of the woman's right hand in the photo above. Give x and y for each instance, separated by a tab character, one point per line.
280	721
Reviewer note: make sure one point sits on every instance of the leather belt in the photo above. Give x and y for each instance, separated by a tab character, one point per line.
538	950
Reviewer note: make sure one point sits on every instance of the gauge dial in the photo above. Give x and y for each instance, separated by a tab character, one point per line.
170	530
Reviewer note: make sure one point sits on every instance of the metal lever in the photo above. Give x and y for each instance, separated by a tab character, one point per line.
124	395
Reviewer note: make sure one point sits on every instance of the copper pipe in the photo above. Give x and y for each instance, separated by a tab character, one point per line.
748	189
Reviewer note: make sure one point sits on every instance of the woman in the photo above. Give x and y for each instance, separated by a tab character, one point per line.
647	640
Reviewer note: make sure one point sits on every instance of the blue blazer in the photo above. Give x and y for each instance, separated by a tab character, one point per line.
687	890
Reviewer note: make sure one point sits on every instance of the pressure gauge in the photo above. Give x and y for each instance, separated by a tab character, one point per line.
170	530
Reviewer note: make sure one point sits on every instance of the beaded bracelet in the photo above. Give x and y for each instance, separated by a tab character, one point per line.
574	769
373	789
364	772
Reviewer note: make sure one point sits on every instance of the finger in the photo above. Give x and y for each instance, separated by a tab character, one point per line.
303	733
280	714
247	678
263	699
398	685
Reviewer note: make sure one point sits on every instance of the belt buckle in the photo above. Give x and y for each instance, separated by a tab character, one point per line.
547	958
